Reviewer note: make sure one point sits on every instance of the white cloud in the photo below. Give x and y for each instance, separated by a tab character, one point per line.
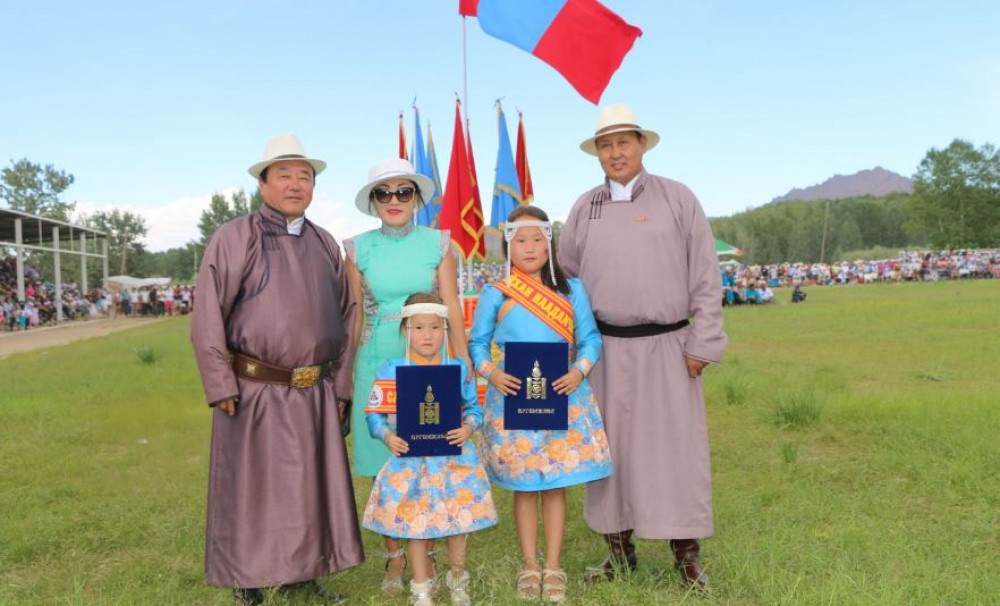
175	224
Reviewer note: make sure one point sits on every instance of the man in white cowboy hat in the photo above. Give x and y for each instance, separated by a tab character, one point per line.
273	335
644	250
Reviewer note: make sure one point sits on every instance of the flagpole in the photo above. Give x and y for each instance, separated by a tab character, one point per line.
465	92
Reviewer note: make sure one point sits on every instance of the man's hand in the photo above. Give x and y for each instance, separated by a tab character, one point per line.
505	383
458	437
228	406
568	383
342	410
695	367
396	444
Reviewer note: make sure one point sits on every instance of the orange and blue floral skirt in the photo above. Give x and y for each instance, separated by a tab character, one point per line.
542	460
431	497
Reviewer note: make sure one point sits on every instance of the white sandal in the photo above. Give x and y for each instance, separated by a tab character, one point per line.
420	593
459	587
390	585
529	584
552	592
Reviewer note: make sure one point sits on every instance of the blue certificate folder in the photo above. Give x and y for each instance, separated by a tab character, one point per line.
428	406
536	405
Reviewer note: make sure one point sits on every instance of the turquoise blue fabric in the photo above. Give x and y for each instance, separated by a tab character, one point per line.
392	268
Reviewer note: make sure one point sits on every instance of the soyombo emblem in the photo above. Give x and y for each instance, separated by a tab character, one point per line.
430	411
536	384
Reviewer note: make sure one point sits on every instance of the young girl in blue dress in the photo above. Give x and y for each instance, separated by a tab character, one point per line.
539	465
424	498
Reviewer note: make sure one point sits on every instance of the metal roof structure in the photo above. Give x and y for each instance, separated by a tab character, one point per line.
38	230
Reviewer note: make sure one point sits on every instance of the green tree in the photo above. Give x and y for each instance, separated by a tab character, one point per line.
125	232
35	189
956	200
222	210
177	263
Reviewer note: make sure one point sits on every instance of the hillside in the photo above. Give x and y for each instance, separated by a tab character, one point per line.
873	182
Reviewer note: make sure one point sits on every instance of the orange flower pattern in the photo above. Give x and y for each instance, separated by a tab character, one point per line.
541	460
430	497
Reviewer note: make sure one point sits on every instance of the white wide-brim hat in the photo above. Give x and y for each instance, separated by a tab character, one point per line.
618	118
396	168
284	147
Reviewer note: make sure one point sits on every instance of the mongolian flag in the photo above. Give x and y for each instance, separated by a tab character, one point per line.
521	161
506	190
402	139
460	212
581	39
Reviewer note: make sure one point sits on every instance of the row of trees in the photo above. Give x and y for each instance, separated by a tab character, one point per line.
955	205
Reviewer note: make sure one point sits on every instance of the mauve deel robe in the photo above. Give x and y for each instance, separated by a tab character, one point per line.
280	500
650	260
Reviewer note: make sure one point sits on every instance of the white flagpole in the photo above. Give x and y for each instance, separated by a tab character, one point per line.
465	91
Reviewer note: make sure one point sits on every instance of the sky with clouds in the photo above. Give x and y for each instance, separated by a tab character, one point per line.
155	106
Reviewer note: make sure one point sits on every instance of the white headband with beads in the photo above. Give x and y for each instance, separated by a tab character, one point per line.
511	228
436	309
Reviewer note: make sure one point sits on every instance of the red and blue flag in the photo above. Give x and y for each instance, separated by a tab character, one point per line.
582	39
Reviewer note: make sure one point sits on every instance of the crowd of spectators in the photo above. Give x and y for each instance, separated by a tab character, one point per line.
753	284
39	305
156	301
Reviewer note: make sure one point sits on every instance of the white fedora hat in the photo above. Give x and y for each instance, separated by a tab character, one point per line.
616	119
284	147
396	168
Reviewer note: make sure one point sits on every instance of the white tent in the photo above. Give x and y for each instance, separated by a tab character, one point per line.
130	282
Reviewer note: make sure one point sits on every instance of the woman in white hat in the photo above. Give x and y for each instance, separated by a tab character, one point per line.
385	266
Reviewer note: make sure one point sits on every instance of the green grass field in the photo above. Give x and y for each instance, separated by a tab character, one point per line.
856	459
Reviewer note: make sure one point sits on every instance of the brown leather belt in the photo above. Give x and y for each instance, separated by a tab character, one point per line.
262	372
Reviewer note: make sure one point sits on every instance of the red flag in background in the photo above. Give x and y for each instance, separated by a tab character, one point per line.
468	8
461	212
521	162
478	208
402	139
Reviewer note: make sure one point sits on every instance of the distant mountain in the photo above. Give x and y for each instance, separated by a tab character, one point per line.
875	182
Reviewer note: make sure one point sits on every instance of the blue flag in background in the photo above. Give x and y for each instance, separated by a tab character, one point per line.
506	190
425	164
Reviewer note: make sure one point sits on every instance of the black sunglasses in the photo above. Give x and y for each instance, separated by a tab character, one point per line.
383	195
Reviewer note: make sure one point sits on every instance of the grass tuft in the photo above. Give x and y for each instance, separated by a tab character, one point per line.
147	355
798	410
789	453
735	390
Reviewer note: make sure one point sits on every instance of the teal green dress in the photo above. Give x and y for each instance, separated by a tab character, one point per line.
394	264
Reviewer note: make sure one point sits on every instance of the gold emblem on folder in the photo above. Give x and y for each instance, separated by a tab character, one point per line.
536	384
430	411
